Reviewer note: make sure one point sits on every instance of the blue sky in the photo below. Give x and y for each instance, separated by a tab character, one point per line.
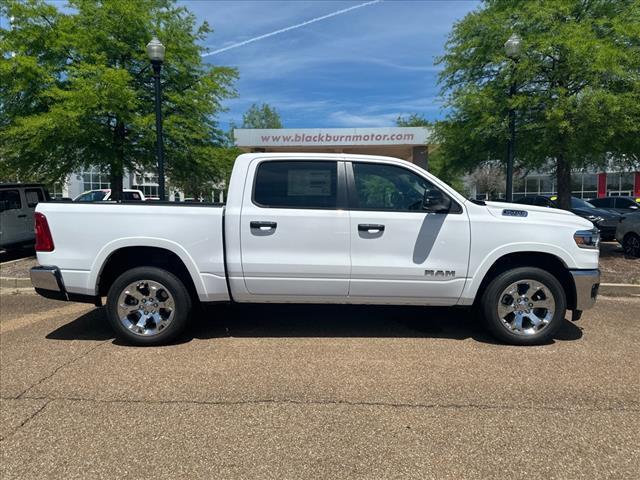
362	68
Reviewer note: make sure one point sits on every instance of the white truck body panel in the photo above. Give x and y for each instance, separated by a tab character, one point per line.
314	255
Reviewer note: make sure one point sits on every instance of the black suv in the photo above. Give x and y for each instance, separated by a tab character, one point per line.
606	221
617	204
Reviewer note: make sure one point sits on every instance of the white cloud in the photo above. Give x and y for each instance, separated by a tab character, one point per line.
346	119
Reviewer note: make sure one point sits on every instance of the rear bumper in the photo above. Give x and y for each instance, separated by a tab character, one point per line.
587	283
48	282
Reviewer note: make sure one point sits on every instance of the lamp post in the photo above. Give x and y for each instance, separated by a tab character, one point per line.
155	51
512	50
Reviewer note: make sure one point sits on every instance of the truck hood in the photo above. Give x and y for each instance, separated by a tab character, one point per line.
556	215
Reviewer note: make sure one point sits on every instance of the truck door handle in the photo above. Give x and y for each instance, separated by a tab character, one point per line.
264	226
370	228
22	216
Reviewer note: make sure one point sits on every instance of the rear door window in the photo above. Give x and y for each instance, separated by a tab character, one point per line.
10	200
33	196
296	184
602	202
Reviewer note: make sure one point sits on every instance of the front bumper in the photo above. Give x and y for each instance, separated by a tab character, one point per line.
48	282
607	228
587	283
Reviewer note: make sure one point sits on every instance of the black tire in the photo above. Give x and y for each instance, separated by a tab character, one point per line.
631	245
493	296
177	317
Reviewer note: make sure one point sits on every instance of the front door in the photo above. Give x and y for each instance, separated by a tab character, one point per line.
295	230
400	252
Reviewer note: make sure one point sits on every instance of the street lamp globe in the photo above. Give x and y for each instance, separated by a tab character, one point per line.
512	46
155	50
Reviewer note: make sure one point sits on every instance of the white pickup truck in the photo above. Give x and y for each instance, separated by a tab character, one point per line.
320	228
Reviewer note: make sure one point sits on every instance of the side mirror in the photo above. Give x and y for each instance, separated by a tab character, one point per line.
435	201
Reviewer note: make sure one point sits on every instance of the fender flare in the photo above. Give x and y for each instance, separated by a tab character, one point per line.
112	247
476	278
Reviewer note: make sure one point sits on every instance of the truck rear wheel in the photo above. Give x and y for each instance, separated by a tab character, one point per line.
148	306
524	306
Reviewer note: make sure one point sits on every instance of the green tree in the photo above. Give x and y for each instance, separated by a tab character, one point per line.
413	120
76	90
440	165
577	81
261	116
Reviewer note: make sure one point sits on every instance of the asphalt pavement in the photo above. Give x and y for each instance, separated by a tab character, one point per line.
317	392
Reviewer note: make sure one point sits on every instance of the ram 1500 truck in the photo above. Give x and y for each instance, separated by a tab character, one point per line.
320	228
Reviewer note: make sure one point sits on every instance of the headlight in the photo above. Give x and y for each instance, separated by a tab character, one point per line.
587	238
594	218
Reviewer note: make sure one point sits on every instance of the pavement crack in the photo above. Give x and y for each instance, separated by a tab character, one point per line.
451	406
26	420
58	368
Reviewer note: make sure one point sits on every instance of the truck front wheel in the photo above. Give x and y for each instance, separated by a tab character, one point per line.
524	306
148	306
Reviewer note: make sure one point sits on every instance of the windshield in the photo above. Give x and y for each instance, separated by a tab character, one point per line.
95	196
575	202
579	203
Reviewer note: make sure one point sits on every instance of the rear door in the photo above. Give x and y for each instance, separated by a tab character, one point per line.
295	230
401	253
12	217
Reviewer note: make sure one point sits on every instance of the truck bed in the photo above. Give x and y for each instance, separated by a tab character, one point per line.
86	235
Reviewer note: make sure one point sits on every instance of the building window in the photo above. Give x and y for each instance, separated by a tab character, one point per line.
148	190
627	184
147	183
547	185
620	184
589	185
56	190
94	179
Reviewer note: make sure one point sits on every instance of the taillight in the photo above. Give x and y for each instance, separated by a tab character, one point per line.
44	240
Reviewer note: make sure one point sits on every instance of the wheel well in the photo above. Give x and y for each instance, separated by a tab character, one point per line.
544	261
131	257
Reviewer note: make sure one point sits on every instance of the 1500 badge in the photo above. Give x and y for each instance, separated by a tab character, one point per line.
514	213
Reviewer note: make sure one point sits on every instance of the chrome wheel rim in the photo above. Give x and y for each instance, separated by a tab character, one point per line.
526	307
146	308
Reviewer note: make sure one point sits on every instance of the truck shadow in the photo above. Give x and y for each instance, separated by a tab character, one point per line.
276	321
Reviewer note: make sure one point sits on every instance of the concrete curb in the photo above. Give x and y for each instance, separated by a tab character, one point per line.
619	290
12	282
606	289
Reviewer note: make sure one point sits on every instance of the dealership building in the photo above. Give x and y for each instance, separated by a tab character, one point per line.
409	143
412	144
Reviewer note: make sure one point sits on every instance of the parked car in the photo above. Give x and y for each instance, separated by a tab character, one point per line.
17	205
628	234
605	221
320	228
617	204
105	194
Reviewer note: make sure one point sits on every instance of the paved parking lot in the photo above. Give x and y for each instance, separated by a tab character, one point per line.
317	392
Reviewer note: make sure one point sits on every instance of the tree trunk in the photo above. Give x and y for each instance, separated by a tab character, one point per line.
115	178
117	166
563	177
